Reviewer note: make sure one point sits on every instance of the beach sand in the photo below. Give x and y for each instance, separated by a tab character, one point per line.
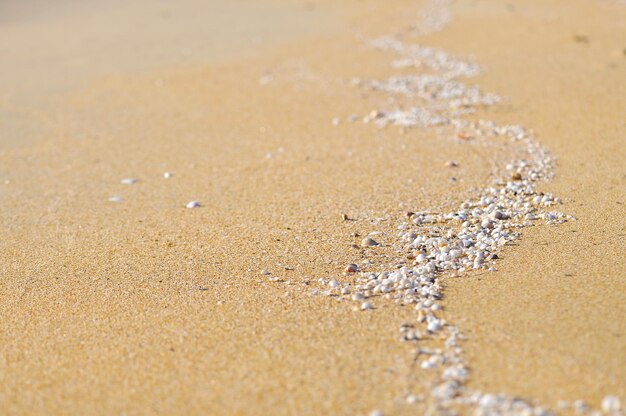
556	306
145	306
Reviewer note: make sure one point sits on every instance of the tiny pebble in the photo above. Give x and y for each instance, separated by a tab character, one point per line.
414	398
488	400
168	175
366	305
193	204
115	199
129	181
580	406
369	242
351	268
611	404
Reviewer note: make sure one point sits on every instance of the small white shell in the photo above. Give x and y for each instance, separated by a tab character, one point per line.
366	306
611	404
369	242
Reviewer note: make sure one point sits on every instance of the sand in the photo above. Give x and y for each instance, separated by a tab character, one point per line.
144	306
556	306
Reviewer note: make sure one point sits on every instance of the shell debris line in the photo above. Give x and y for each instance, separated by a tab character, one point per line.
459	241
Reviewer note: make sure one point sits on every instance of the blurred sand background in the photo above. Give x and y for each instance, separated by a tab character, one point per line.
144	306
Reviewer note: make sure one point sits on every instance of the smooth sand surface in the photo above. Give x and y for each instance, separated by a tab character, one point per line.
144	306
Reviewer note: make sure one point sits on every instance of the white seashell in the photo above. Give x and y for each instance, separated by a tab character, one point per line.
488	400
611	404
369	242
366	306
433	326
580	406
358	296
413	398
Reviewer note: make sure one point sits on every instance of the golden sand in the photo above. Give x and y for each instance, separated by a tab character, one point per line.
144	306
550	324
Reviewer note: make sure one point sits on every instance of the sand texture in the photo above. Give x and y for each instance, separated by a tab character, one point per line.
143	306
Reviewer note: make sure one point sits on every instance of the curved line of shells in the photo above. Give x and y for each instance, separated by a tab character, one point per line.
454	243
